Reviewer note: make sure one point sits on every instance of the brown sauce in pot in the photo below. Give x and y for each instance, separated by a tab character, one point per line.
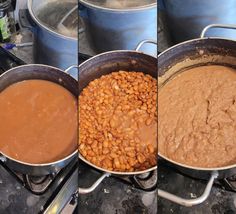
197	117
38	121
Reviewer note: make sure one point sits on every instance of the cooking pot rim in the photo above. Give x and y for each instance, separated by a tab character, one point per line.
30	5
194	40
197	168
137	9
117	172
38	65
115	51
181	164
42	164
91	164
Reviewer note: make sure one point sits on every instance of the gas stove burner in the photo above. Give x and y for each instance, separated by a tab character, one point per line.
148	181
38	185
145	176
8	60
229	183
232	178
39	180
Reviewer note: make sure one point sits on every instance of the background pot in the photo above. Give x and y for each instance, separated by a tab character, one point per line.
49	46
119	29
181	57
26	72
106	63
187	18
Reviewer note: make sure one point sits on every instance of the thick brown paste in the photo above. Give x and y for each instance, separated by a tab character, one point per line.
197	117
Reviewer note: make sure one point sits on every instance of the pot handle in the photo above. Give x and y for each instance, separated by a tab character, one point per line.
3	159
71	67
67	70
145	42
94	186
190	202
216	26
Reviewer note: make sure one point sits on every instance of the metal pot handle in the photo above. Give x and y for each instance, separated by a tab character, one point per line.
3	159
145	42
94	186
216	26
71	67
67	70
190	202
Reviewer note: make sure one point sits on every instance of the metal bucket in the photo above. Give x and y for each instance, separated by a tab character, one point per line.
187	18
49	46
120	29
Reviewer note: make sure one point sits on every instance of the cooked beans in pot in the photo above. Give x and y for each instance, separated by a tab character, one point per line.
118	121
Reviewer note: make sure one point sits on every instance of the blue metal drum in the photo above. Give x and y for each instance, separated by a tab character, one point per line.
187	18
120	29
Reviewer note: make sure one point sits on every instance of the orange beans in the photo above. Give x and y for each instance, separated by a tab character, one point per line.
118	121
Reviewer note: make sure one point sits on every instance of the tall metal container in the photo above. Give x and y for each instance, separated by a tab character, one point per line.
187	18
50	46
120	28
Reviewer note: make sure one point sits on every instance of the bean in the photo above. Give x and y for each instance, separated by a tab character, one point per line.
105	151
141	158
105	144
151	148
112	111
116	162
148	121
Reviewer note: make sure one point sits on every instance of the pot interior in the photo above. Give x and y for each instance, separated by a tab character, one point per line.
43	72
194	53
59	16
40	72
113	61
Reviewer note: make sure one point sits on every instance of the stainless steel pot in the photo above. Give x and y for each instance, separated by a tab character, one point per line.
187	18
119	28
50	46
106	63
34	71
180	57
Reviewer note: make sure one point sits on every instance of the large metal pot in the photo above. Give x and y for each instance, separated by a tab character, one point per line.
34	71
50	46
187	18
119	28
106	63
180	57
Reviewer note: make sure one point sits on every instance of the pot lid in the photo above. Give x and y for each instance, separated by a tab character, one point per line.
57	15
120	4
